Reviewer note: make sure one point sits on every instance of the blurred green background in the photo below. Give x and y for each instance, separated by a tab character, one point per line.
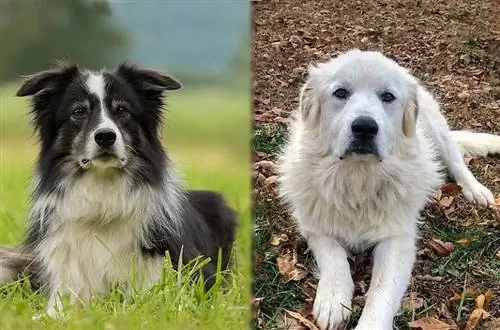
205	44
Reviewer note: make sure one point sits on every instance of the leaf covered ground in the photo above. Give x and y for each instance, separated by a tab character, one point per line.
454	48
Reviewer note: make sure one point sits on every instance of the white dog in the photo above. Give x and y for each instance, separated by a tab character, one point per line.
363	156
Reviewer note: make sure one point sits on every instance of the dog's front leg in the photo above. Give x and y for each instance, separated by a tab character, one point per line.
392	266
60	292
335	288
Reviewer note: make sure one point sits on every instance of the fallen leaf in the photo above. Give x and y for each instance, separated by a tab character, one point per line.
488	295
492	324
430	323
498	254
469	293
463	94
412	302
446	201
450	188
477	315
266	164
302	320
468	160
283	321
289	268
480	301
444	311
464	242
428	277
278	239
440	248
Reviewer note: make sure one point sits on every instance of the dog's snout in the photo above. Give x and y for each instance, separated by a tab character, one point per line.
364	126
105	137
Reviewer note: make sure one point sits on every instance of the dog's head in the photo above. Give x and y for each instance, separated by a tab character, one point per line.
104	122
360	103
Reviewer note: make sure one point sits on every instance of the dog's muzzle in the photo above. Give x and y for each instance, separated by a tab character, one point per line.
105	153
364	131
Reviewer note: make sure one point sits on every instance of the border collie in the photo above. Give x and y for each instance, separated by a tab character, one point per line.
106	204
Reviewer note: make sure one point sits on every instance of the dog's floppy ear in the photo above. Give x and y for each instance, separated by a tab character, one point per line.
48	80
147	79
410	115
308	102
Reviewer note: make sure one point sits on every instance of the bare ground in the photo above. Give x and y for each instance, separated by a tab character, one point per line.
454	48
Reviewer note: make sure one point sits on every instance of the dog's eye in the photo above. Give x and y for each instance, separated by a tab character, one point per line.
387	97
80	112
122	110
341	93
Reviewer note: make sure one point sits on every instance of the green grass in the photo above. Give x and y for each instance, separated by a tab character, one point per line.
206	134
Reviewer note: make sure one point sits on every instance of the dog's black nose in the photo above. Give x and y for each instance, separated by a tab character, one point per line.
364	126
105	137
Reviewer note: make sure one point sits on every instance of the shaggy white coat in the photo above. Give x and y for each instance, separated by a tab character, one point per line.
350	203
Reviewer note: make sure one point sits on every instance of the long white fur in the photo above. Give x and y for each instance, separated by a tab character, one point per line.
94	235
350	204
476	144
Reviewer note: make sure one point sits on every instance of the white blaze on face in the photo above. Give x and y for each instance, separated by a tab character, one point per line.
96	85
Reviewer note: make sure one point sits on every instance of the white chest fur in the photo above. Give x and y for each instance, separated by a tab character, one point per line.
358	203
93	239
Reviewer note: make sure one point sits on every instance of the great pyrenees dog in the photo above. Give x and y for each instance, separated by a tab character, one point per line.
367	148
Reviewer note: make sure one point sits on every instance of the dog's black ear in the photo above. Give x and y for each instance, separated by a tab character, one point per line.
147	79
48	80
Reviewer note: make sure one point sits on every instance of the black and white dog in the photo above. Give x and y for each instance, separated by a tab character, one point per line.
106	205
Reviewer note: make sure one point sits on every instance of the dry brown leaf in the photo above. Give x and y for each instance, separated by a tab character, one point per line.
265	164
278	239
445	312
468	160
492	324
310	325
283	321
430	323
463	94
412	302
488	295
477	315
456	297
440	248
450	188
446	201
289	268
464	242
480	301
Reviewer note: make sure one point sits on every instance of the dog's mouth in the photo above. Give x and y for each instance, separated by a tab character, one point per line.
365	150
103	159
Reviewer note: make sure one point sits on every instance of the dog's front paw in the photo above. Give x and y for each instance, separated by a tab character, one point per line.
331	309
475	192
373	325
